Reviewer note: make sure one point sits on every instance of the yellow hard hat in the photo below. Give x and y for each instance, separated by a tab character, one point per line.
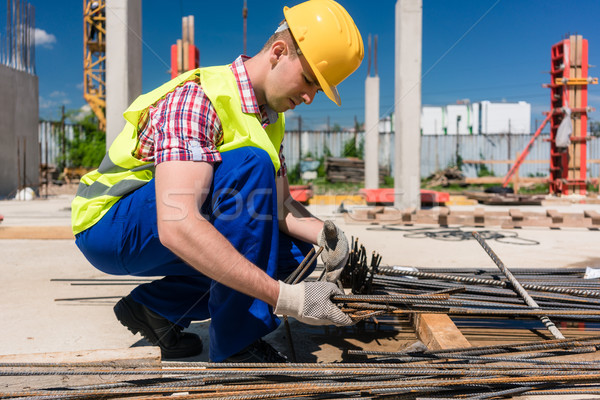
329	40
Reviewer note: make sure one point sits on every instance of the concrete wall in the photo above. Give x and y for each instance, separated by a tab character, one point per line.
19	123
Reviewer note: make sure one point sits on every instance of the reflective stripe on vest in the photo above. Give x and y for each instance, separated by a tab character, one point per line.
121	173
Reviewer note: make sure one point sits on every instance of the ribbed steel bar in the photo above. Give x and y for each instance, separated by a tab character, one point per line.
300	267
563	344
501	393
214	368
294	389
294	278
430	300
517	286
489	282
413	357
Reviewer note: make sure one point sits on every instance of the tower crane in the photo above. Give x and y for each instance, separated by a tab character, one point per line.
94	58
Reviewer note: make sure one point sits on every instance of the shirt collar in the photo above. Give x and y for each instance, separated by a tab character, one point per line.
247	95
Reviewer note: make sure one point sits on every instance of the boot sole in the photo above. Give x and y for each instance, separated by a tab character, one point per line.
127	318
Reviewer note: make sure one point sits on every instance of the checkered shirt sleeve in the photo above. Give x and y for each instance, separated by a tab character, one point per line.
183	126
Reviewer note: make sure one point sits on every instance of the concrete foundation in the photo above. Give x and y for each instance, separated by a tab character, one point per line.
407	180
123	61
19	152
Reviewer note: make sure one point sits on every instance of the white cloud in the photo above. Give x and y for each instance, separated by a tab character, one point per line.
57	94
83	112
44	39
53	101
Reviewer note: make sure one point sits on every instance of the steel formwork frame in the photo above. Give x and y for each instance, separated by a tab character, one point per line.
568	90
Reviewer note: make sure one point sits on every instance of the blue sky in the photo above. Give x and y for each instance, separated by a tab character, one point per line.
497	50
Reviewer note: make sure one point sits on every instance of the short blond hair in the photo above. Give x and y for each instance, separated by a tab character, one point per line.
287	37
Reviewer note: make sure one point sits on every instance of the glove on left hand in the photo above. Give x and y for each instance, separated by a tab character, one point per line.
335	250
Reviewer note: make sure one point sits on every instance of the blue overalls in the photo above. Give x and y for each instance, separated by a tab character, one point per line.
242	206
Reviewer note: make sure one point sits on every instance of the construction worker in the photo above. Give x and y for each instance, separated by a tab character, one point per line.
195	189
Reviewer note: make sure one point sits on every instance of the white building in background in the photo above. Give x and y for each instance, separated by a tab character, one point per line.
505	117
476	118
432	120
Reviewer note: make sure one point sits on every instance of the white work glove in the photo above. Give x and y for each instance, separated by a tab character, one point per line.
310	302
335	250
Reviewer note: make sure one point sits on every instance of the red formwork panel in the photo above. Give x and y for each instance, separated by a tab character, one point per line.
560	181
386	196
301	193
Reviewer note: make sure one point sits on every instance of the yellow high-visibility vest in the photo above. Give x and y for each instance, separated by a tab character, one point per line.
121	172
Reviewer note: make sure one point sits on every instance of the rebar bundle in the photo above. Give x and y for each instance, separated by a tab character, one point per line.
17	47
437	377
540	368
358	274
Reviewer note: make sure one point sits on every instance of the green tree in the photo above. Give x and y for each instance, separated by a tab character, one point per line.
88	146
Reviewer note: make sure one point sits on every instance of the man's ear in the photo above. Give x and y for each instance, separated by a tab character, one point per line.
279	49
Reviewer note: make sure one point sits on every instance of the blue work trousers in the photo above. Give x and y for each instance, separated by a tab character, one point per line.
242	206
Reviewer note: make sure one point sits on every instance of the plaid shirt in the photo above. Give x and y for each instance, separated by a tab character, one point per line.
184	126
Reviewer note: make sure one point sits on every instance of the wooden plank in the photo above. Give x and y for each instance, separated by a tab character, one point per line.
137	355
36	232
437	332
593	215
500	179
142	354
479	216
557	217
443	216
505	161
515	214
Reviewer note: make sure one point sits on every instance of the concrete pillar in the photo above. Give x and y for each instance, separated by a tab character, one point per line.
407	148
123	61
372	132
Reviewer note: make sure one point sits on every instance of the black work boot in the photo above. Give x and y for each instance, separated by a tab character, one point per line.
157	330
258	352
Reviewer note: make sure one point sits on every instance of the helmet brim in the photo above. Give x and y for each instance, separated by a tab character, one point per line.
329	90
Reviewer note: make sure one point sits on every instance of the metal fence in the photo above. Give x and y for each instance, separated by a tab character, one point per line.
53	143
439	151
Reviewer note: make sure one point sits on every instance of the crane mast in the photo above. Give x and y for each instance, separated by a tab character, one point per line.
94	58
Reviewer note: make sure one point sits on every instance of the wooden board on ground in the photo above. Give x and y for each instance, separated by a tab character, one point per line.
36	232
514	218
438	332
147	355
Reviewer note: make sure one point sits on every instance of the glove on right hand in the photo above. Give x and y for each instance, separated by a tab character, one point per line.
310	302
335	250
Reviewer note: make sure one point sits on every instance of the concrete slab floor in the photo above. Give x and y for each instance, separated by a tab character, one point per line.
36	320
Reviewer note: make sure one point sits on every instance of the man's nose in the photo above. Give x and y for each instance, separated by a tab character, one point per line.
309	96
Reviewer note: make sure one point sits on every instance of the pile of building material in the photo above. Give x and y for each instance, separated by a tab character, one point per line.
442	374
350	170
379	295
446	177
478	217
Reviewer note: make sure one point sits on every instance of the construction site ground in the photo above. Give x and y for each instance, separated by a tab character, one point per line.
53	300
